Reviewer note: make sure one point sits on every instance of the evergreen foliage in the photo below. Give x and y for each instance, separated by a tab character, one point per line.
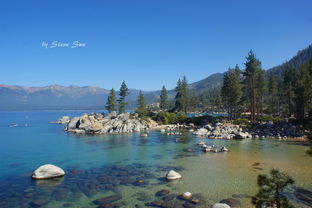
111	104
123	92
271	190
164	104
141	110
182	96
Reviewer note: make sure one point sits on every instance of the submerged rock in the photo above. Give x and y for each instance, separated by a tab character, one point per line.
47	171
173	175
220	205
162	192
231	202
107	200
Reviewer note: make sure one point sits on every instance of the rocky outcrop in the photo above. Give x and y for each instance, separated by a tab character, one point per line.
98	123
280	130
220	131
47	171
62	120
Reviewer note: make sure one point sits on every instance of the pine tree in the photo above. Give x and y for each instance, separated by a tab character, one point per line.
178	105
124	91
272	88
231	91
182	96
141	110
271	189
260	89
111	104
164	99
253	66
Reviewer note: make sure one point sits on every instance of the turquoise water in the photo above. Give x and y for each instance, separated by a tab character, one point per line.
106	165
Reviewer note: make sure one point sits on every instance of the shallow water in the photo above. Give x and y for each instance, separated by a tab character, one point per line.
105	165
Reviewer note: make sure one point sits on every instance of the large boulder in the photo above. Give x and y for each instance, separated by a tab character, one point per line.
201	132
241	135
96	126
220	205
47	171
173	175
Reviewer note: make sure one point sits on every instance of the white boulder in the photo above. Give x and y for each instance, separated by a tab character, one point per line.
220	205
201	132
187	195
173	175
47	171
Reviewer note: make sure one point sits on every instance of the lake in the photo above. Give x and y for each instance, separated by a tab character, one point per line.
132	168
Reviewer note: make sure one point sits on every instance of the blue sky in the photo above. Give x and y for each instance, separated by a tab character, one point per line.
148	43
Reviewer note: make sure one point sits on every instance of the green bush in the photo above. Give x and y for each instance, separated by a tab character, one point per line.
203	120
169	118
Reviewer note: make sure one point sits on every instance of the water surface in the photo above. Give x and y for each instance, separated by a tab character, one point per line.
105	165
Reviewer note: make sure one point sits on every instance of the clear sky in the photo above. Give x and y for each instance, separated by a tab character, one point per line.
148	43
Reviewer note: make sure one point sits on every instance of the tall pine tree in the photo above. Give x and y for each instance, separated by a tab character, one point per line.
272	88
182	96
124	91
111	104
253	66
141	110
164	99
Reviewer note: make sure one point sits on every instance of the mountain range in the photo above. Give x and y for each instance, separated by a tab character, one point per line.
56	97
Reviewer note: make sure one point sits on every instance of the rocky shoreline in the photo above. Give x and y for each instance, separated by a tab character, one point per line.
98	123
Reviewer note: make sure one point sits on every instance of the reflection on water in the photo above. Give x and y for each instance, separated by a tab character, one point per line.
128	170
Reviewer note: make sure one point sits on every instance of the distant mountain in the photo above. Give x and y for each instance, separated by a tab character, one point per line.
56	97
211	82
302	56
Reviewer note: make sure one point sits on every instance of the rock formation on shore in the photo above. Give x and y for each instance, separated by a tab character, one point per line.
98	123
221	131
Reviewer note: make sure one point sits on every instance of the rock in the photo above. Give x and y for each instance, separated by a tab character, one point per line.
156	203
169	197
73	123
96	127
186	195
201	144
220	205
62	120
107	199
173	175
111	123
240	135
231	202
47	171
162	192
201	132
162	130
224	149
144	135
38	202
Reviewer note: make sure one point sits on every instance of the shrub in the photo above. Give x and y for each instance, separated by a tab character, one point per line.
169	118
